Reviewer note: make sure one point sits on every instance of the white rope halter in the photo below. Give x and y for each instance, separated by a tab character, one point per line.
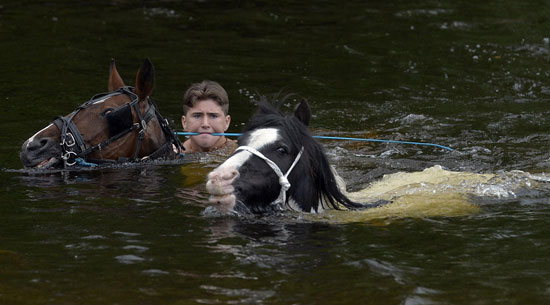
283	179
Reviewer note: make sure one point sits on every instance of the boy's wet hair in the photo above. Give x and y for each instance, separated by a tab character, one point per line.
205	90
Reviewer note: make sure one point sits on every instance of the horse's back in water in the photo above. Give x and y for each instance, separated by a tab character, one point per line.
436	191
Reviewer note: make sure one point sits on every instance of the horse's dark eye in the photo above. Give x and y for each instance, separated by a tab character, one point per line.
104	112
282	150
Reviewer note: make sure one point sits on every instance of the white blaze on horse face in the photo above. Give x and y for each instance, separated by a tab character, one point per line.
220	180
31	139
100	101
258	139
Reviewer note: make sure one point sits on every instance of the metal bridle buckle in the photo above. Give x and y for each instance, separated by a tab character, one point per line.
143	125
67	156
69	143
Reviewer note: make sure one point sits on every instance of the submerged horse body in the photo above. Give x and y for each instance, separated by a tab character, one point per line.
278	165
121	125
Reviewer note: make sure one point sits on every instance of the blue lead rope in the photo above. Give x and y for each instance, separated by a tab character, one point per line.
84	163
179	133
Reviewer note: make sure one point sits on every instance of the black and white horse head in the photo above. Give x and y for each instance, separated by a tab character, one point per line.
277	166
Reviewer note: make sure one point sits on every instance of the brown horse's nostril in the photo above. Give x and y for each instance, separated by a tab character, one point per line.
39	144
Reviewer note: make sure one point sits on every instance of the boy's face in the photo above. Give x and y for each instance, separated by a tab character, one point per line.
205	117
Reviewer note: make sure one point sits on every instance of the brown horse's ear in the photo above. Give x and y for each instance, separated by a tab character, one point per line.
145	80
303	113
115	81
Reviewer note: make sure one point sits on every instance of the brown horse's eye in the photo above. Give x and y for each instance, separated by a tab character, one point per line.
104	112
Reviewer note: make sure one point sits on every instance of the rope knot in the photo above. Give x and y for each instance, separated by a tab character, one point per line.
283	180
285	185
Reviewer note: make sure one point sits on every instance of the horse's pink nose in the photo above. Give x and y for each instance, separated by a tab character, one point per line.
220	181
220	187
223	175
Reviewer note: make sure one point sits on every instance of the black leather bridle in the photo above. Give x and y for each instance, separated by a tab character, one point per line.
74	148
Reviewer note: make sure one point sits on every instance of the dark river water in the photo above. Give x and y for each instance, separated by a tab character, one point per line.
472	75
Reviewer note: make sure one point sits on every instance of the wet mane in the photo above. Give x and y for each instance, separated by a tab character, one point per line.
269	116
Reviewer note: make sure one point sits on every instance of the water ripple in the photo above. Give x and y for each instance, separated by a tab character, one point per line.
129	259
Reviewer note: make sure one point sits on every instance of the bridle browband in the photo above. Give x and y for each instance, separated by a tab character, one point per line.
74	148
283	178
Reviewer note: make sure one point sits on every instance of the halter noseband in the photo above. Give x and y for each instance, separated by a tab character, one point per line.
283	179
73	146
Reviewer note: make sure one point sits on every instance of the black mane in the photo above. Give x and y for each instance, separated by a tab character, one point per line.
313	178
269	116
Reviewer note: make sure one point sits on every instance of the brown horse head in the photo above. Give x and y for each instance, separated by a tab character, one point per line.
120	125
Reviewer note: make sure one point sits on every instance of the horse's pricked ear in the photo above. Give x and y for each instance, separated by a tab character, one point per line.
115	81
145	80
303	113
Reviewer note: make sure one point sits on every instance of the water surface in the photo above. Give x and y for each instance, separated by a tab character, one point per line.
471	75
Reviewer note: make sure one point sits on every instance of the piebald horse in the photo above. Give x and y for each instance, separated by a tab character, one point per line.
278	166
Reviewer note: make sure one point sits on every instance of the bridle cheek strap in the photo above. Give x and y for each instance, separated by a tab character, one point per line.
283	179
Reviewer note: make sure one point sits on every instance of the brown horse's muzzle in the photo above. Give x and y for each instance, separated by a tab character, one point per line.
40	152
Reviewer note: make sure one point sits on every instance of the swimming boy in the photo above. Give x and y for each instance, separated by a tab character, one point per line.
205	110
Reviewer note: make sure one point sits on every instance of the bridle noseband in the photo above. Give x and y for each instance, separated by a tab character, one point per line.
283	179
73	146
